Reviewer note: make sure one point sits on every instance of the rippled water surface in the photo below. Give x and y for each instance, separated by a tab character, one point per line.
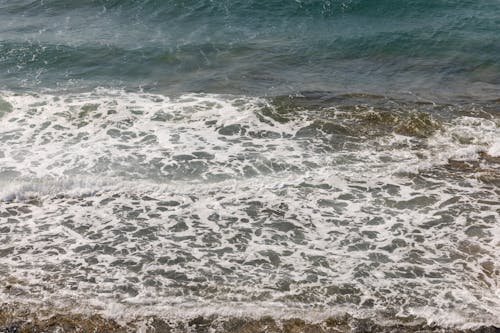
444	47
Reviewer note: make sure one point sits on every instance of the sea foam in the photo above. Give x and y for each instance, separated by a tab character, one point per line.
206	204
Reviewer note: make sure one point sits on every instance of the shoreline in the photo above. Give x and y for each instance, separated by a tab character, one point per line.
14	322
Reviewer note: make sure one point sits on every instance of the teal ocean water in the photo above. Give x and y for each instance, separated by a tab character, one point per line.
203	165
253	47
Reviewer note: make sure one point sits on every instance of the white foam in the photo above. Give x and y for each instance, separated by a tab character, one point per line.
202	204
494	149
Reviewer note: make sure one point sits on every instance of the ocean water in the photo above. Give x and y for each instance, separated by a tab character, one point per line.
249	159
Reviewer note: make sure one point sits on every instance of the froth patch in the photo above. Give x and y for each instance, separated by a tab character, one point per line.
494	149
194	137
29	189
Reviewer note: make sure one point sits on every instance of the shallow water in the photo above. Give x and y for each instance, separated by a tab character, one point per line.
302	159
223	204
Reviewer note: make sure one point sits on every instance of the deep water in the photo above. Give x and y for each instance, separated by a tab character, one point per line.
444	47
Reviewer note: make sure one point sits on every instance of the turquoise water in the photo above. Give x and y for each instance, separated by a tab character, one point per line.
444	48
244	159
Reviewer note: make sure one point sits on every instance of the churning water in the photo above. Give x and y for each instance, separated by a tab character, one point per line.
243	159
